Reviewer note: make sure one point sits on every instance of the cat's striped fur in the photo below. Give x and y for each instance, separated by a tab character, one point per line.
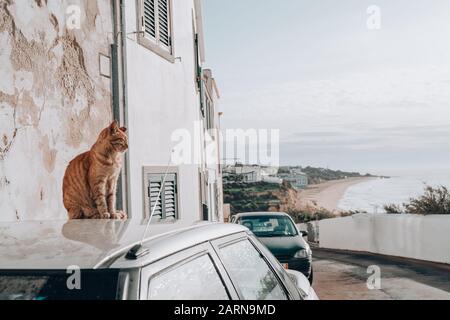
90	182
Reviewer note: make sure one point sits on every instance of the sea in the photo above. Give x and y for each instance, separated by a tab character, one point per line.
372	195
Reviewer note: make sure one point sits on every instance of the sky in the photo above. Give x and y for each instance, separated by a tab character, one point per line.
344	96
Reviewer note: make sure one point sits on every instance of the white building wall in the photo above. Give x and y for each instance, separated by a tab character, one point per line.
213	158
162	97
270	171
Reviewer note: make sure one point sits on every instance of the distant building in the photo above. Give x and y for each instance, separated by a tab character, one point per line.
269	171
242	173
251	174
272	179
297	178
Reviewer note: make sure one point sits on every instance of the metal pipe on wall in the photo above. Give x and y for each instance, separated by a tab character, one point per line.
120	95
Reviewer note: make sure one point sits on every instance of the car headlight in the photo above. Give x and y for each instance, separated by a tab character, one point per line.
303	253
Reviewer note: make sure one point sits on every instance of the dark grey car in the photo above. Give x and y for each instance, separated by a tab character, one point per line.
279	233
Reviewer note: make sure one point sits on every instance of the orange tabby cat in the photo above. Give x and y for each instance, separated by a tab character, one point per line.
90	182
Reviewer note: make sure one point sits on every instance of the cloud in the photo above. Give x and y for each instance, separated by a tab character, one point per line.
377	99
403	111
336	90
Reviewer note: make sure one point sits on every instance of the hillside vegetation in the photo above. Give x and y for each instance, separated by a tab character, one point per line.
262	196
319	175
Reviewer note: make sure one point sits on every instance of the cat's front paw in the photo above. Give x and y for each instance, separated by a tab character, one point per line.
105	215
120	215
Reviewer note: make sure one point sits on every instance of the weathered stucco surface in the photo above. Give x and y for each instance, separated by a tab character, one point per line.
53	101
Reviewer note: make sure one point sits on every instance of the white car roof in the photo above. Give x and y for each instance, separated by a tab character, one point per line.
95	244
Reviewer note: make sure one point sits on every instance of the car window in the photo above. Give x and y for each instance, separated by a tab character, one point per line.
195	280
270	226
250	272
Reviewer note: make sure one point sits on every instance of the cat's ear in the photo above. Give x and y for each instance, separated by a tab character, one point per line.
123	129
114	127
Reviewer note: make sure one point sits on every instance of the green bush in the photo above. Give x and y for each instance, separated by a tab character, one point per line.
393	209
435	200
310	214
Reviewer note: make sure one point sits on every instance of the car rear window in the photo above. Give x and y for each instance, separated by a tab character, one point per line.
86	285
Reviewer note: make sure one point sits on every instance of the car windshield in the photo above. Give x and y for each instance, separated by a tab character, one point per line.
270	226
86	285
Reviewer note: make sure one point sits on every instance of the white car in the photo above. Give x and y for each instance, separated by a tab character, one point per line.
92	260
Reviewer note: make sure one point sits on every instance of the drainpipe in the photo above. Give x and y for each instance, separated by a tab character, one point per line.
120	96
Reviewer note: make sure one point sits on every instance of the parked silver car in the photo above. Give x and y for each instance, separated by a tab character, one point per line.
88	260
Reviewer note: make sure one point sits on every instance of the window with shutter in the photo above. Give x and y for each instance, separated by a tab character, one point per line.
167	204
156	23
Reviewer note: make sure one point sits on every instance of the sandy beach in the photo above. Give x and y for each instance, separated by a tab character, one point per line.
327	195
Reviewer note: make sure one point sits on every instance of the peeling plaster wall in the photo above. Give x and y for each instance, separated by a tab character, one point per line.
53	101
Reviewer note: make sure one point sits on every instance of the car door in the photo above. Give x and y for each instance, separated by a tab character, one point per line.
192	274
252	274
296	293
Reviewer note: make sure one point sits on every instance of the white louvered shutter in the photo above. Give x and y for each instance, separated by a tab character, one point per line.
164	22
166	205
170	198
154	187
149	18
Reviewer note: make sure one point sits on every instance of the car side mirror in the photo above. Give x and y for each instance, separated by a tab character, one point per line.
303	285
304	233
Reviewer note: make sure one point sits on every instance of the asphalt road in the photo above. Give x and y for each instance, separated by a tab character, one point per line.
341	275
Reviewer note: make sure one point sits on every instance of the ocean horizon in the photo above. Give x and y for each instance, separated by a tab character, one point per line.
371	196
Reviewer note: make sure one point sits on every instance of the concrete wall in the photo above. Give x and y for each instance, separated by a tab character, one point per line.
53	101
411	236
162	98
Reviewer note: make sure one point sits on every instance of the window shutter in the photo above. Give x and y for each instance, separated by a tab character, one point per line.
163	19
170	198
198	68
166	206
150	18
153	191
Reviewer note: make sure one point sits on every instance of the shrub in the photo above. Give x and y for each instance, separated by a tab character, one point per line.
393	209
351	213
435	200
310	213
